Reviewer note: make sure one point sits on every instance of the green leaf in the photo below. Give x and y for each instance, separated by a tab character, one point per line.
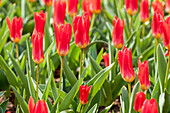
166	108
93	109
106	109
95	65
161	102
99	56
155	89
1	93
125	100
3	39
4	105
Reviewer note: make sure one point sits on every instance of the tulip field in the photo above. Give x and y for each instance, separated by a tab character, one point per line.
84	56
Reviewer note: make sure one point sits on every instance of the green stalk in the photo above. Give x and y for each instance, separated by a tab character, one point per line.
131	21
157	42
129	88
81	108
81	63
167	72
143	32
37	79
17	52
47	26
61	73
93	20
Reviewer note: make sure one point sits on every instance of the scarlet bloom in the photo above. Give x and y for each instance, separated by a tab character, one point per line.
167	53
63	37
86	7
8	112
143	74
144	11
72	7
106	59
81	26
59	11
139	99
125	62
39	107
157	5
84	93
167	6
15	28
117	33
131	6
48	3
37	37
149	106
95	6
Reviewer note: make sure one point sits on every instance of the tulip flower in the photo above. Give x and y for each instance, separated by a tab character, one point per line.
63	37
149	106
167	6
86	7
117	33
139	99
48	3
39	107
157	5
84	93
125	62
106	59
72	7
59	11
143	74
15	28
81	26
32	0
95	6
167	53
131	6
8	112
144	11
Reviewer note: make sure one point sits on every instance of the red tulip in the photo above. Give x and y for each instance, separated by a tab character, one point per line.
37	37
166	35
86	7
125	62
157	5
156	25
84	93
144	11
95	6
167	6
8	112
149	106
72	7
106	59
59	11
32	0
131	6
117	34
81	26
39	107
15	28
63	37
139	99
143	74
167	53
48	3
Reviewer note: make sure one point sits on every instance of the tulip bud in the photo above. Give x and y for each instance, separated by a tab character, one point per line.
144	11
86	7
125	62
48	3
37	37
59	11
84	93
131	6
81	26
167	6
106	59
150	106
95	6
72	7
143	74
157	5
63	37
139	99
39	107
15	28
117	34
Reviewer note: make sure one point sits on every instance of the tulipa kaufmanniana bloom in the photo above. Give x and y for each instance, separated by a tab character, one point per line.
144	11
157	5
48	3
72	7
131	6
106	59
139	99
167	6
86	7
95	6
149	106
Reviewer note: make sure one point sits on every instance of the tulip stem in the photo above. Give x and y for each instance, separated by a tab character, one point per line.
167	72
17	52
81	63
81	108
61	73
93	20
129	88
131	21
37	79
143	32
157	42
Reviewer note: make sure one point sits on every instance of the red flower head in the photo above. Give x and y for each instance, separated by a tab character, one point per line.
37	37
81	26
84	93
15	28
48	3
150	106
131	6
59	11
72	7
125	62
158	6
39	107
63	37
167	53
95	6
86	7
106	59
32	0
144	11
167	6
156	25
117	34
166	35
143	74
139	99
8	112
